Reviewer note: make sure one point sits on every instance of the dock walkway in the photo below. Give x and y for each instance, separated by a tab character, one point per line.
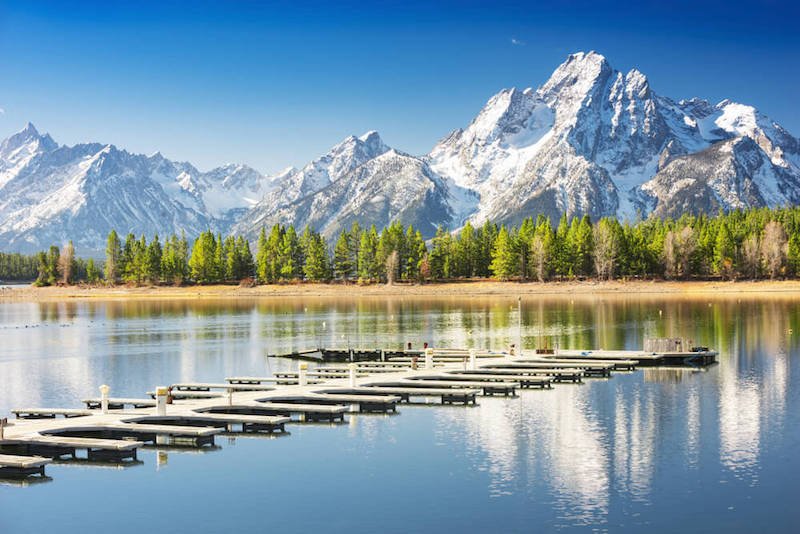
267	404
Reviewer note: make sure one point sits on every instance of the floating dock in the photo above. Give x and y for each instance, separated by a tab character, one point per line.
192	414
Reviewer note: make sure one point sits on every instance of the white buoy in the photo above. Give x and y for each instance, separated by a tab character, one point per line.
352	371
104	389
428	358
302	378
161	400
472	359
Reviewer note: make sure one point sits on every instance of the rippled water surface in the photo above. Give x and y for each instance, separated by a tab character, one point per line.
650	451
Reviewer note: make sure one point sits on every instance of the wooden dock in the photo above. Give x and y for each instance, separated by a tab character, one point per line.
266	404
22	466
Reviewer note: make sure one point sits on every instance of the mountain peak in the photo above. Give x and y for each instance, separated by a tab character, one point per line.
586	57
30	130
370	136
28	136
576	77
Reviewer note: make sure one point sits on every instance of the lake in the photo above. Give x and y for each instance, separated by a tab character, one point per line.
654	450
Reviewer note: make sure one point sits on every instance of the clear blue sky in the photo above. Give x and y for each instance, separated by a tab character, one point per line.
277	83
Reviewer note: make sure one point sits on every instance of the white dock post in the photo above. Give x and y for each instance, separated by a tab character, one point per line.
352	372
472	359
302	379
161	400
104	389
428	358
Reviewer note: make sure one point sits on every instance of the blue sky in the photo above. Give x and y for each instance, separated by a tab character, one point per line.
274	84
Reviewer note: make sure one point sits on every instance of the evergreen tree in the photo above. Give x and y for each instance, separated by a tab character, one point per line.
291	254
113	257
368	270
524	242
203	262
486	237
262	267
504	259
724	252
93	273
153	261
317	265
415	250
342	257
53	257
126	266
440	255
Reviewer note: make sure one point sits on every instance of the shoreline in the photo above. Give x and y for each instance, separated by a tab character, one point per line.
483	288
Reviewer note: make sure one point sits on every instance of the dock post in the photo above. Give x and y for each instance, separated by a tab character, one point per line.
161	400
471	359
428	358
104	389
352	372
302	379
383	355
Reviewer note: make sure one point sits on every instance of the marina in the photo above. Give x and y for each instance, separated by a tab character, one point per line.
193	413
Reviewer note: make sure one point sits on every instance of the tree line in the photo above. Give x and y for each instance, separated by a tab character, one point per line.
749	244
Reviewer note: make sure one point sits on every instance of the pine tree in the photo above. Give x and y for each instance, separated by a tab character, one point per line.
724	252
524	242
262	266
126	266
465	249
153	261
92	272
439	257
415	247
486	238
203	261
504	259
342	257
316	268
113	254
368	255
291	254
53	257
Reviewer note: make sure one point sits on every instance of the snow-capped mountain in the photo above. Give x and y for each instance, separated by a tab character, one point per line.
590	140
595	141
51	193
391	186
294	185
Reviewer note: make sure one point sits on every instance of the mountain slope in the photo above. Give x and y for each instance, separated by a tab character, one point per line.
51	193
590	138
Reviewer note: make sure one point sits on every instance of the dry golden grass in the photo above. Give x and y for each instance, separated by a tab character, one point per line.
789	288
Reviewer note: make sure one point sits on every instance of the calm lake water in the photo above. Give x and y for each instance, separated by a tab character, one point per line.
650	451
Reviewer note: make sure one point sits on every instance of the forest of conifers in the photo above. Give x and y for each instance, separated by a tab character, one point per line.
751	244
